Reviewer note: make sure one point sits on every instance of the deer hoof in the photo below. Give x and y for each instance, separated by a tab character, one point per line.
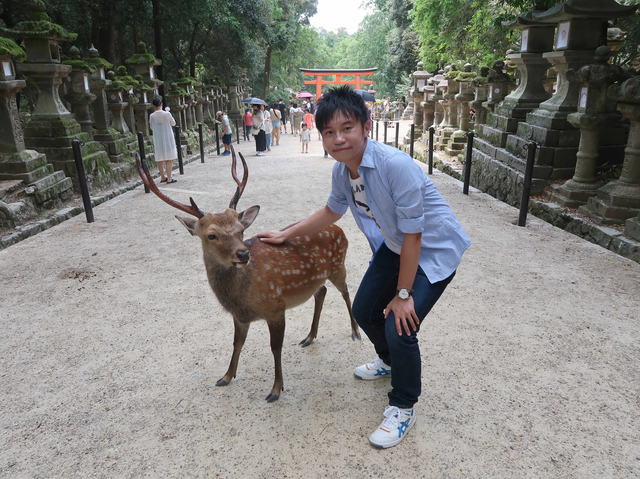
222	382
305	342
272	397
356	335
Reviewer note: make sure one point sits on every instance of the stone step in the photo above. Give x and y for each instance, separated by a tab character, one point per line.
62	190
495	136
9	186
23	162
48	180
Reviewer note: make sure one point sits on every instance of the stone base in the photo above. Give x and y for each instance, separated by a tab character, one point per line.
615	202
573	194
40	181
632	228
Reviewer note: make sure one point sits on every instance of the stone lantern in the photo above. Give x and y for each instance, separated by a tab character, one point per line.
129	96
420	78
117	104
234	107
463	97
428	107
595	111
581	28
17	163
175	103
186	83
80	96
480	95
44	70
144	64
143	93
619	201
536	39
97	84
498	85
450	97
199	102
437	96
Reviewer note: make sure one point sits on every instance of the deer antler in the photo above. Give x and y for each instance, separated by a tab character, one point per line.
234	173
146	178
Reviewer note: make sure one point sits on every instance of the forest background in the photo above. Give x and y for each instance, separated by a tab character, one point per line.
272	39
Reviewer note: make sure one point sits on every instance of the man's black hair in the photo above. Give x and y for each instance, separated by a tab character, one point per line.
342	99
156	102
280	99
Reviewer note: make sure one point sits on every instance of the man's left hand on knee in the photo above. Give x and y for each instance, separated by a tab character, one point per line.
404	313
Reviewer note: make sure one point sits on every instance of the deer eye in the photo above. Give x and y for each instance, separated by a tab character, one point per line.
212	237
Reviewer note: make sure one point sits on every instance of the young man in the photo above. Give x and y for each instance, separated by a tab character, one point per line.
226	131
416	240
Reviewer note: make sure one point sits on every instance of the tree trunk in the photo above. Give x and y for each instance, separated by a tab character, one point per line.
136	37
267	74
157	35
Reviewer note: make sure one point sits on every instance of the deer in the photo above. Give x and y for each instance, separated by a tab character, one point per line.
254	280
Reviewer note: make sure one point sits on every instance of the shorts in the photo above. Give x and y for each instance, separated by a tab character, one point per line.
226	139
305	142
276	123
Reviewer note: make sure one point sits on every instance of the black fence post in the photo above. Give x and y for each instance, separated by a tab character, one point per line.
385	132
143	156
201	143
397	132
82	179
237	132
377	128
413	132
467	164
432	131
179	146
526	186
217	138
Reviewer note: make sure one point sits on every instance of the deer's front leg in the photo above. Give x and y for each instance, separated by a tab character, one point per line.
276	330
239	337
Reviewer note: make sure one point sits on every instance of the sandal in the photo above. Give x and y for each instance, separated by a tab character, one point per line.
173	180
163	181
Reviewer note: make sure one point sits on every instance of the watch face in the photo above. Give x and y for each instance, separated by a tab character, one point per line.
403	293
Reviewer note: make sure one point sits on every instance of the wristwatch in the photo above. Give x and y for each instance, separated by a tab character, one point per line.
404	293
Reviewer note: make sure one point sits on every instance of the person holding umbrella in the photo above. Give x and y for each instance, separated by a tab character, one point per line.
257	130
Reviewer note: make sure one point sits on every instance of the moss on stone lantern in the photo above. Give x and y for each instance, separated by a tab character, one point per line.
144	64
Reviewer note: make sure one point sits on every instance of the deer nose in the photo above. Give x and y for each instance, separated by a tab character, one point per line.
243	255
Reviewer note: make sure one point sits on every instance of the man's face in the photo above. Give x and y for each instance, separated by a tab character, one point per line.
344	138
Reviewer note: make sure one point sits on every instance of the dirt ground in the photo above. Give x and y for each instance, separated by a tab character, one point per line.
111	344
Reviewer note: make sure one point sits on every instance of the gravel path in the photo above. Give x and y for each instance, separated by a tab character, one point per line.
112	343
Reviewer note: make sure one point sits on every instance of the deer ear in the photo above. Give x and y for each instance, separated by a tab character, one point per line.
189	223
248	216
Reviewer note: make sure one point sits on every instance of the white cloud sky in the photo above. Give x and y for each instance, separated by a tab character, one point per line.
333	14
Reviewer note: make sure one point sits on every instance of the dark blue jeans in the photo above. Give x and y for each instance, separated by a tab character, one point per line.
402	353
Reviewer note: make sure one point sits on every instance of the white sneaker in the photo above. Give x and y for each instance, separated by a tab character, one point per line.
375	370
397	423
260	153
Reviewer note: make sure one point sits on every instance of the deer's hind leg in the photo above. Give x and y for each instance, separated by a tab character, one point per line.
276	331
319	302
339	280
239	337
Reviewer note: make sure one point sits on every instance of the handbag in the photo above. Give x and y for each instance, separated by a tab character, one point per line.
255	130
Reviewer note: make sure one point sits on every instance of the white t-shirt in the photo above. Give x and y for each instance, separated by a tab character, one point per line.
360	199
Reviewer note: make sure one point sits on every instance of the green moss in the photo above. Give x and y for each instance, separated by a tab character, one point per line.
451	75
117	85
465	76
99	62
479	81
79	66
143	59
40	28
11	48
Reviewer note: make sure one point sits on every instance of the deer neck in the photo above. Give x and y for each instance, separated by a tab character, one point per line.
230	284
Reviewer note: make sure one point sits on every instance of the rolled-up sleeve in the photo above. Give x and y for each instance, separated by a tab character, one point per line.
337	201
408	191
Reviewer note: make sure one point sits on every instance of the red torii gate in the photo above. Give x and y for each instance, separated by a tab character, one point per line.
319	81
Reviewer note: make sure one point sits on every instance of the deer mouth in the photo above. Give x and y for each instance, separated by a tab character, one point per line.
240	264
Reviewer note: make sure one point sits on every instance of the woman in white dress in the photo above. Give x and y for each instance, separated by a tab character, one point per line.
164	143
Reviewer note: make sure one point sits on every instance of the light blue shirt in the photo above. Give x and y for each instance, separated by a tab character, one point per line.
403	200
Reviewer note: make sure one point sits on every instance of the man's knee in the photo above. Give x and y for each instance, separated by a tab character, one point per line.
395	340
